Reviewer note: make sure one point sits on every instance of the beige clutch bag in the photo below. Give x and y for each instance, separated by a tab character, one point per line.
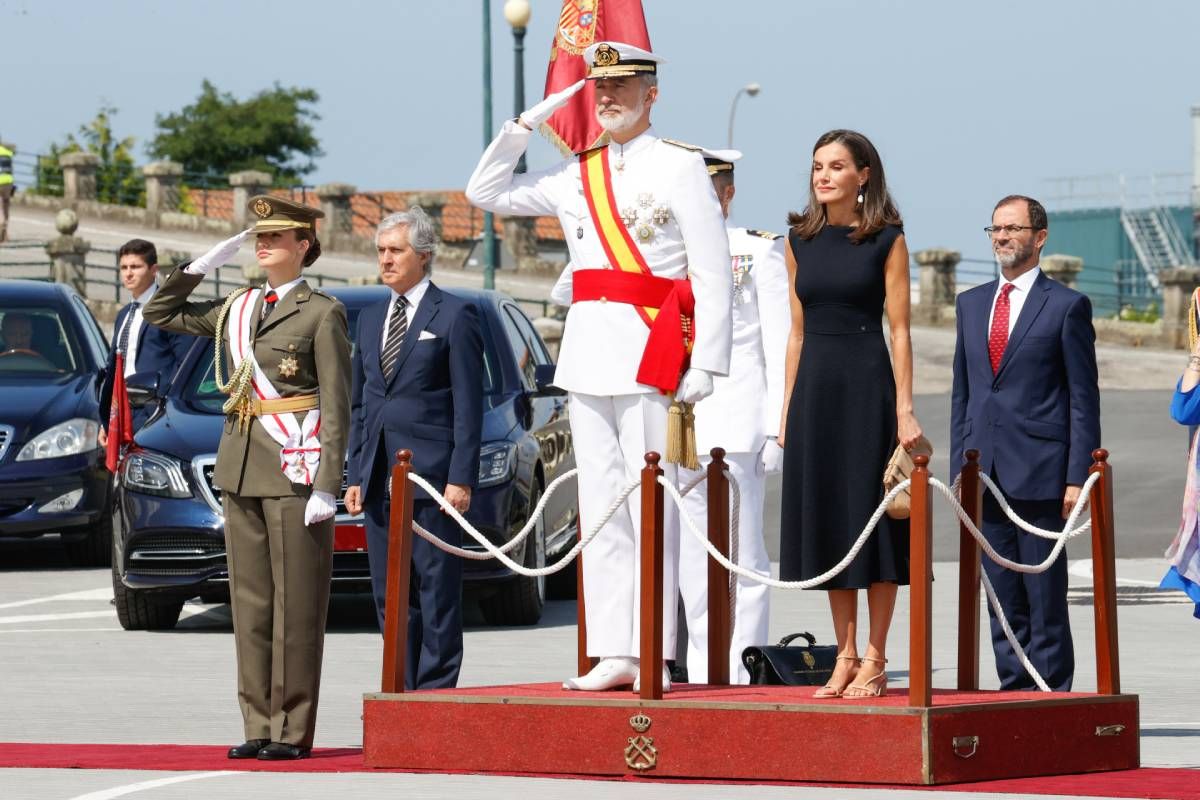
899	468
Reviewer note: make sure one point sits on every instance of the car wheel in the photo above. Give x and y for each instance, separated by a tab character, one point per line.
143	610
520	599
94	549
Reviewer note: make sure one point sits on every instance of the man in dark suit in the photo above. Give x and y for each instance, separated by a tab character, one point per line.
145	347
417	385
1026	397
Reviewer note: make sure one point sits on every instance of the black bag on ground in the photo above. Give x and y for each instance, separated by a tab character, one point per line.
781	665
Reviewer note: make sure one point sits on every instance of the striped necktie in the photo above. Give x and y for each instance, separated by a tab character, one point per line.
397	327
123	341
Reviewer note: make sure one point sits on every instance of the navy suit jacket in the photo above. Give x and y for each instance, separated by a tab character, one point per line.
433	404
157	350
1037	420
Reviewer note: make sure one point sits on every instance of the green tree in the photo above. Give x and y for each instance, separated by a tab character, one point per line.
118	180
219	134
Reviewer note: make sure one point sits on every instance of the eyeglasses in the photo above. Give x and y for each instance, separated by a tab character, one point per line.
1007	230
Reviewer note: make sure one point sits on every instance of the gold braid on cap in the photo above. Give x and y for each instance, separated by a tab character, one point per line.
238	387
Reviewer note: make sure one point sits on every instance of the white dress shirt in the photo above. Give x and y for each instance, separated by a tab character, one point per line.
413	296
134	322
1022	286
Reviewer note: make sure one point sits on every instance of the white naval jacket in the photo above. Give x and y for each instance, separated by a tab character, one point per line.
603	342
745	407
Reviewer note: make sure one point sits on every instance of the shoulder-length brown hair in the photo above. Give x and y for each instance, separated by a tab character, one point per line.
878	210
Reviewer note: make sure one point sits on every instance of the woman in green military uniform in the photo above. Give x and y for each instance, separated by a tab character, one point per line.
279	463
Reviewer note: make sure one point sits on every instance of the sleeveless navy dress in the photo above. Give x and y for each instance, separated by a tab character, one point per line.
841	421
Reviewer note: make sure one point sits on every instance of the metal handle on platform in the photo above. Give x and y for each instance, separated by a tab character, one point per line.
961	743
1110	730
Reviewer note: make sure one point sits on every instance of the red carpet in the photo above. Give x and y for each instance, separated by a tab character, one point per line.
1167	784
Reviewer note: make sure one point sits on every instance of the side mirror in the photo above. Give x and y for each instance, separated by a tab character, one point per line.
142	388
543	377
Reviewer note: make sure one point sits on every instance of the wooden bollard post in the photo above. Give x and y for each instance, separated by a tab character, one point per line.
651	629
720	629
1104	577
920	666
583	663
971	497
399	561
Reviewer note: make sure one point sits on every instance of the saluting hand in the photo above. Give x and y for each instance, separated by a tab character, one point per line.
545	109
218	254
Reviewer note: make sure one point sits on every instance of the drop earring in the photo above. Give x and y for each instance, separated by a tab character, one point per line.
862	190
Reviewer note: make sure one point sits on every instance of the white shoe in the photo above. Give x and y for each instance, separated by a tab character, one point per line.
637	681
608	674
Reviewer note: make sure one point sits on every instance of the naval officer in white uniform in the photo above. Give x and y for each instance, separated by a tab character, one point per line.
742	416
635	212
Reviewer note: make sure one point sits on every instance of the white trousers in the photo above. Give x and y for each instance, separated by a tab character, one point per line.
751	611
611	438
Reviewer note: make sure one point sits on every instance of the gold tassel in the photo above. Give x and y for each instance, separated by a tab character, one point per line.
681	436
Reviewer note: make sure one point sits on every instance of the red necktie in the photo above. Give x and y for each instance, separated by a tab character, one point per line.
998	339
269	303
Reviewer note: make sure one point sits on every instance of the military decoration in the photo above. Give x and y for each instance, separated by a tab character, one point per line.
262	208
288	367
741	275
644	218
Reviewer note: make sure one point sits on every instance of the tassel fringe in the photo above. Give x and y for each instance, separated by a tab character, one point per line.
681	436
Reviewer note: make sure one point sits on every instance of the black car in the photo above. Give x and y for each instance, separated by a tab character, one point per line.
52	475
169	544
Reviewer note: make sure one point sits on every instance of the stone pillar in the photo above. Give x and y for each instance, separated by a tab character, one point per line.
520	238
937	284
1064	269
68	252
246	184
1178	283
338	225
79	176
162	187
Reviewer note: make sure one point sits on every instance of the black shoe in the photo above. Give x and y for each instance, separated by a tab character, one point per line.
248	749
278	751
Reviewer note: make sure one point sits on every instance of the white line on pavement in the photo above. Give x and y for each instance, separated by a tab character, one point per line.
61	630
52	617
130	788
1083	569
87	594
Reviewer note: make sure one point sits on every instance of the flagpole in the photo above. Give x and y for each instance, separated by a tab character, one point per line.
489	230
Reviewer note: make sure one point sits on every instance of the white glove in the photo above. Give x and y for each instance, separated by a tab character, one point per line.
771	457
218	255
543	110
320	507
695	385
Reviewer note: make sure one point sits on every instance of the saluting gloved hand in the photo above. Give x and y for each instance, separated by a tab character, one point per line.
321	507
771	457
695	385
543	110
218	255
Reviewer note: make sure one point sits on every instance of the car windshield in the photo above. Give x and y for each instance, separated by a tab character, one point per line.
202	383
34	340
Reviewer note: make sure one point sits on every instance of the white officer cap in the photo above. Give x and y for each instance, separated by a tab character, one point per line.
720	160
619	60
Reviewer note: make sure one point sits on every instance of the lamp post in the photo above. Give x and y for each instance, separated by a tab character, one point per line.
751	89
518	12
489	231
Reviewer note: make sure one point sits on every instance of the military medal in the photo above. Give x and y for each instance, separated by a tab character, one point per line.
741	268
579	232
288	367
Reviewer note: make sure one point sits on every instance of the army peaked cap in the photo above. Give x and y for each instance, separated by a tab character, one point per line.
280	214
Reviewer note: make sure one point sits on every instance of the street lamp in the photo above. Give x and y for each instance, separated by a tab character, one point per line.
751	89
489	230
518	12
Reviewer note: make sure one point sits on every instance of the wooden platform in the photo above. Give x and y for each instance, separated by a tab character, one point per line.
751	733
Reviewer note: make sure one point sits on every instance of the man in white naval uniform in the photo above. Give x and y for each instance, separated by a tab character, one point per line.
742	416
659	196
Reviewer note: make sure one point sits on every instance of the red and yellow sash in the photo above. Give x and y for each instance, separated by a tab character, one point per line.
618	245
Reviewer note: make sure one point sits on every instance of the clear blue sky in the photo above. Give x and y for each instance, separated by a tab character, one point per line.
967	101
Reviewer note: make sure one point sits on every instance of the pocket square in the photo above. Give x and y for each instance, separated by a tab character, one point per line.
426	335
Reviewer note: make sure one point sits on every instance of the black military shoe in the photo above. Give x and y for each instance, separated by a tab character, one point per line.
278	751
249	748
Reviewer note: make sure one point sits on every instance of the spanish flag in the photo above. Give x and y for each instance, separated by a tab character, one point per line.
120	418
573	128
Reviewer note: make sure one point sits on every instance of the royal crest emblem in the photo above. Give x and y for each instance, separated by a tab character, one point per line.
577	26
606	56
640	752
262	208
809	660
288	367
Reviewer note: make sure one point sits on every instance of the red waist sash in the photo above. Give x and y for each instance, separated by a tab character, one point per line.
672	330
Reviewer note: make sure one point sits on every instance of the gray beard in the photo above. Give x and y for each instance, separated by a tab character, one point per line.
1018	255
624	121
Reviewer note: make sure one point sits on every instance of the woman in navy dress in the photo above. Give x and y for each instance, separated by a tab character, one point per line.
848	402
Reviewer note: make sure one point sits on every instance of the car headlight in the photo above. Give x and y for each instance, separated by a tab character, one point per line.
497	463
68	438
159	475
